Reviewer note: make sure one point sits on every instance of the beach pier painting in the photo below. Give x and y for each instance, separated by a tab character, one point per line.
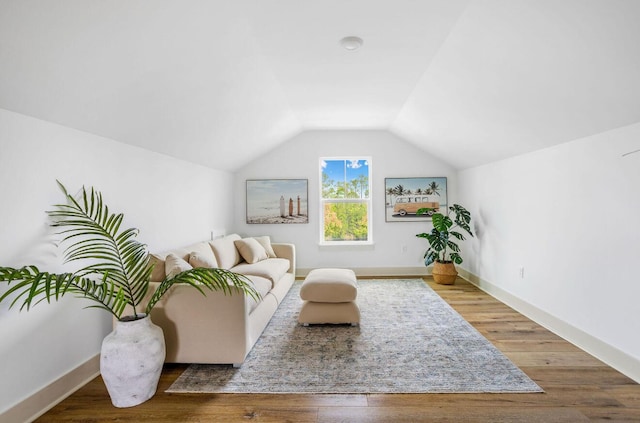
277	201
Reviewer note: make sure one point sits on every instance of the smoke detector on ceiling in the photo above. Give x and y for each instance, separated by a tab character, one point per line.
351	43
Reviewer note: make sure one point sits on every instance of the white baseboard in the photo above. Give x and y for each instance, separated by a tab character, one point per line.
378	271
45	399
619	360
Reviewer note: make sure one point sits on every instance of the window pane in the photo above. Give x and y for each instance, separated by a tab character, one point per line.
345	179
345	222
357	178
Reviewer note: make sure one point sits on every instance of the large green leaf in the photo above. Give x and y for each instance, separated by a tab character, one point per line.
442	237
455	257
441	222
462	218
438	243
457	235
430	256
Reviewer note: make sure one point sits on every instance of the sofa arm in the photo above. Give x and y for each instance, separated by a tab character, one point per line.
286	251
198	328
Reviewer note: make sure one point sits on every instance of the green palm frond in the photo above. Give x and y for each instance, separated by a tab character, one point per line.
211	279
115	270
33	286
92	234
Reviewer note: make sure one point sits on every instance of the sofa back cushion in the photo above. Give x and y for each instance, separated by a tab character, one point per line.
202	249
251	250
158	262
201	255
175	265
265	241
197	259
225	250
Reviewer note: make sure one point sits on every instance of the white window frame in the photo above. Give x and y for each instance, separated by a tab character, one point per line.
368	201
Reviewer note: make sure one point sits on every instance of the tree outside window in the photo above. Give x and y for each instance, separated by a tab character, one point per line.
345	200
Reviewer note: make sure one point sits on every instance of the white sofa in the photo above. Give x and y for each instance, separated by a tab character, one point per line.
219	328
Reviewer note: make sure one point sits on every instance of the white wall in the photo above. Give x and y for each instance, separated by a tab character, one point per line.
570	216
299	158
172	202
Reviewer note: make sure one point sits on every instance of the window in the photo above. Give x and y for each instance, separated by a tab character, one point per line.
345	201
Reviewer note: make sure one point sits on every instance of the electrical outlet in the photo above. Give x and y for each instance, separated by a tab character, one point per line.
521	272
403	248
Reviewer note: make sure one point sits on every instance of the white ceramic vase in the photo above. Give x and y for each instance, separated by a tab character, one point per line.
131	361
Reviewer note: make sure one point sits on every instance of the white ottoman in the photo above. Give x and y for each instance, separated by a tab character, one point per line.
329	297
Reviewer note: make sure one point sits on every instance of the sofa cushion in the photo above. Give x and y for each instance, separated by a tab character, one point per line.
157	261
265	241
273	269
251	250
174	265
262	286
204	251
197	259
225	251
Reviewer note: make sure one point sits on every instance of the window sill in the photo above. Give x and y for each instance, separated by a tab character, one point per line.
347	246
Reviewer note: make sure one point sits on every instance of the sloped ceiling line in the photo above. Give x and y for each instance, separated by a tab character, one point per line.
220	83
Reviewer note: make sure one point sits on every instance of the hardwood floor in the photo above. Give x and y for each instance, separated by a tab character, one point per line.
577	387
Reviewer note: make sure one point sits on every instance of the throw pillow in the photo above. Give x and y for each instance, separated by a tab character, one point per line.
251	250
157	262
200	260
225	251
174	265
265	241
203	249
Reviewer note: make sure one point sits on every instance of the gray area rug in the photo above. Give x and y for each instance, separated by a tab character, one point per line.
409	341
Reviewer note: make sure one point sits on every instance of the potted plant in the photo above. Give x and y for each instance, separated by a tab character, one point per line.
443	252
115	274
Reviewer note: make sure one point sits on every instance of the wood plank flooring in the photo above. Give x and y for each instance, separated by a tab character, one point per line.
578	388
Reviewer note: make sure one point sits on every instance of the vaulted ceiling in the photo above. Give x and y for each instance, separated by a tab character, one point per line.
221	82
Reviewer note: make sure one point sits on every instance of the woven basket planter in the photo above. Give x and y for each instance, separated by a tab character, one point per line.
444	273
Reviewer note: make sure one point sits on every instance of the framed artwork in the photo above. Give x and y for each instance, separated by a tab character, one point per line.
277	201
405	196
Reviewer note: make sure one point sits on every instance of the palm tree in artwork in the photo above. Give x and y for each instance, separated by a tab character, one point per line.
399	190
434	188
390	192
